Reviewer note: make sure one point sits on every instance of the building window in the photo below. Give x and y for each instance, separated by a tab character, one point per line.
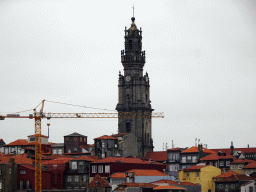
21	184
27	184
128	127
69	150
232	167
176	167
250	189
76	178
221	163
84	178
59	151
84	139
73	165
107	169
183	160
171	168
240	166
100	169
22	172
75	138
10	170
189	157
54	151
80	165
75	149
227	163
220	186
1	172
67	138
69	178
232	186
81	139
194	159
0	185
94	169
197	174
187	174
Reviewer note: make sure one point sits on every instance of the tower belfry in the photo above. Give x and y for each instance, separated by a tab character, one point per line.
133	90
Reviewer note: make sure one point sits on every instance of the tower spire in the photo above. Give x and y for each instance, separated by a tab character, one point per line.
133	10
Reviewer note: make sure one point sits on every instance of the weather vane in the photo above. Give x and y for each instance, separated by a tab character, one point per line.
133	10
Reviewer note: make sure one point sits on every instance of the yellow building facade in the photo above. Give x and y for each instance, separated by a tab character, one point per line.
200	174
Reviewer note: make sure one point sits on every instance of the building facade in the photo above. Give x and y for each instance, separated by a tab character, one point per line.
133	92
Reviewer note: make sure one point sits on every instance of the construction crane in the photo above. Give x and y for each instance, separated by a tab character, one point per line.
38	116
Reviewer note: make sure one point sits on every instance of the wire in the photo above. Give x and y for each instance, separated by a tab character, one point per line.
79	106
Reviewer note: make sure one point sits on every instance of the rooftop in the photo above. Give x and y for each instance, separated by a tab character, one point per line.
169	187
75	134
195	150
250	166
18	142
118	175
195	168
98	182
170	182
157	155
147	172
105	137
41	136
215	157
228	150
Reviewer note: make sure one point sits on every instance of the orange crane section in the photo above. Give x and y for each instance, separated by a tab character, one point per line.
38	116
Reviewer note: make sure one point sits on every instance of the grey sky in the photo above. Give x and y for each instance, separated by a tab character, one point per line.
200	56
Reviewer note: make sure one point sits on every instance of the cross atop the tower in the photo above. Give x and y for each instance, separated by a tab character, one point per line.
133	10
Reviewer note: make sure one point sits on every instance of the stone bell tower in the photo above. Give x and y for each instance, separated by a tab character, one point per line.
133	91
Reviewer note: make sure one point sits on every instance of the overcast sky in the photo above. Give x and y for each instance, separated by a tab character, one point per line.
200	57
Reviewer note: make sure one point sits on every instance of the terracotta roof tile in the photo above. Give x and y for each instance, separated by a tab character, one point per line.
215	157
145	185
250	166
157	155
57	161
242	161
34	136
118	175
105	137
168	187
247	183
18	142
188	183
234	177
170	182
88	158
195	168
147	172
175	149
227	174
195	150
98	182
120	134
228	150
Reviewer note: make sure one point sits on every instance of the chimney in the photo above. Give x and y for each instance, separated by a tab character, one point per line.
200	150
127	179
232	148
248	146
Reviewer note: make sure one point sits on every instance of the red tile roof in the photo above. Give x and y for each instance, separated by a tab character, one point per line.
18	142
215	157
157	155
98	182
34	136
124	160
147	172
242	161
168	187
195	168
247	183
1	154
195	150
144	185
118	175
88	158
170	182
228	150
18	160
250	166
234	177
58	161
174	149
188	183
104	137
227	174
120	134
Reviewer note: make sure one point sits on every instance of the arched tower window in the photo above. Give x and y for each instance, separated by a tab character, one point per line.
128	127
130	44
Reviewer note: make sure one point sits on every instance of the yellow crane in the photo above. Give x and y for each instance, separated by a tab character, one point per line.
38	116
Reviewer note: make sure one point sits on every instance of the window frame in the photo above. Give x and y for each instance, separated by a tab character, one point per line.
10	170
94	168
228	163
27	184
69	179
23	172
183	159
76	178
21	184
221	163
107	168
240	166
232	167
194	159
100	168
189	157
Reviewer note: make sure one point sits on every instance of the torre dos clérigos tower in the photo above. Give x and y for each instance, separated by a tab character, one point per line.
133	91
